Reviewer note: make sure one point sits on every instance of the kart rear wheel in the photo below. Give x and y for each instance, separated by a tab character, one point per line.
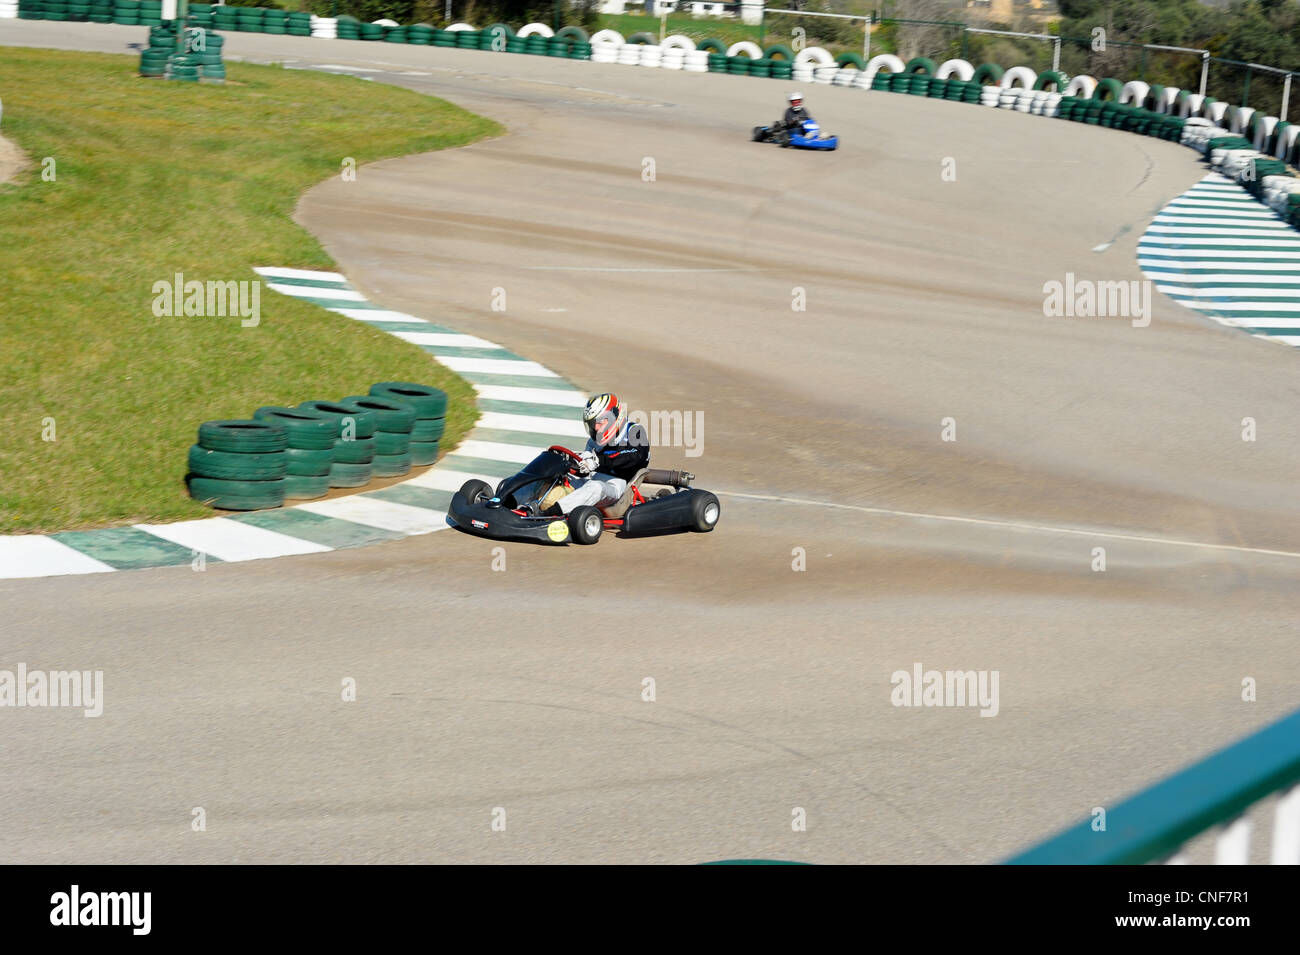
471	490
759	132
705	511
586	524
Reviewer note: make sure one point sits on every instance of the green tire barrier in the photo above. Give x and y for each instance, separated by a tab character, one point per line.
644	39
363	422
307	430
1108	86
301	462
253	466
356	451
1053	77
760	67
343	474
428	402
920	64
305	487
1155	96
392	442
712	45
428	429
779	49
881	81
900	83
854	58
390	414
243	436
391	465
938	89
576	33
987	74
237	495
423	453
738	65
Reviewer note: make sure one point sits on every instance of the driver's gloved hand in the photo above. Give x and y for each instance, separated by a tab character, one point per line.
588	463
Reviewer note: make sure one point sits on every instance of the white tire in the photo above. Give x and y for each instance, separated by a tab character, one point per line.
698	58
606	38
961	68
1134	92
1167	99
457	27
1264	129
825	74
1191	108
745	48
813	56
537	29
1024	74
861	81
1286	142
884	61
679	42
1214	111
1082	86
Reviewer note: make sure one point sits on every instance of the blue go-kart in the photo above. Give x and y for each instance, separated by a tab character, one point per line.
808	135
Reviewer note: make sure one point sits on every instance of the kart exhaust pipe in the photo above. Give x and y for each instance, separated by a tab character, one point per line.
668	478
671	512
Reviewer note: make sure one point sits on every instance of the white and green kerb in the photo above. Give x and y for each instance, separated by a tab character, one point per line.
523	406
1219	251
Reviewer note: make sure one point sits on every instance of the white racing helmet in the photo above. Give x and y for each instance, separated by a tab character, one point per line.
604	417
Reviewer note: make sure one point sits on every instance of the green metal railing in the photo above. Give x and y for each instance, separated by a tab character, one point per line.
1152	825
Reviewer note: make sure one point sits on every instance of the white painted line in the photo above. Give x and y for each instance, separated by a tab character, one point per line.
1177	275
1103	247
446	340
496	451
538	396
314	291
336	66
585	268
378	315
1244	243
232	540
1262	233
1241	306
1257	291
1014	525
300	274
1251	216
1182	264
532	423
444	480
1218	255
496	366
1207	204
31	555
1265	321
388	515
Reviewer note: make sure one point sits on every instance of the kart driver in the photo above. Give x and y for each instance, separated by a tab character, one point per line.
617	449
795	114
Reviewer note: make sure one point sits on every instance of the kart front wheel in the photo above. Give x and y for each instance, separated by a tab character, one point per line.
783	138
471	490
585	524
759	132
705	511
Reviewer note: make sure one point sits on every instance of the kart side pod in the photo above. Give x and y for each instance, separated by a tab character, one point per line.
671	512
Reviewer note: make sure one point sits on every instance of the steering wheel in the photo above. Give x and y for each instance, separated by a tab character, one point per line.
574	457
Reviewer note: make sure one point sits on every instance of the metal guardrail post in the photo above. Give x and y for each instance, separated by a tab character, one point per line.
1056	55
1286	97
1205	71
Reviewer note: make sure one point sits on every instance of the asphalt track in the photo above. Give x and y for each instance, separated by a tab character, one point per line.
522	689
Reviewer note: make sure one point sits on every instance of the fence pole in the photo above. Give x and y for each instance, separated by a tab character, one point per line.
866	41
1056	54
1286	96
1205	71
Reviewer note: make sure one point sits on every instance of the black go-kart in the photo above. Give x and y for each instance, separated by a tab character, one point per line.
526	506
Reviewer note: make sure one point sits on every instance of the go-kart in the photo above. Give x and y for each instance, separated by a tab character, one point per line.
526	506
807	136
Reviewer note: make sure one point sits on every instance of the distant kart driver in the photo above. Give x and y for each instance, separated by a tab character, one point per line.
795	114
616	450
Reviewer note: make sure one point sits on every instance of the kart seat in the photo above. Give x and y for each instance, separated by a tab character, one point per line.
662	476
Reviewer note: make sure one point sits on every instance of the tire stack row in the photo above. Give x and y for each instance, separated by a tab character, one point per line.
284	453
1108	113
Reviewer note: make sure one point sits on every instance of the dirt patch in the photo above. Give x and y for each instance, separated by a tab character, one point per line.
12	161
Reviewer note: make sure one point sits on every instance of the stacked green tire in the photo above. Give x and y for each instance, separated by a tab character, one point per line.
371	31
717	62
395	420
238	465
467	39
249	19
348	28
275	22
225	18
445	38
298	24
420	34
782	69
395	34
151	13
31	9
183	67
900	82
101	11
126	12
354	442
78	11
535	44
430	406
310	452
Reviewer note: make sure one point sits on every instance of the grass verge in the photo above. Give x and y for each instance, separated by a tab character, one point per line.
151	178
